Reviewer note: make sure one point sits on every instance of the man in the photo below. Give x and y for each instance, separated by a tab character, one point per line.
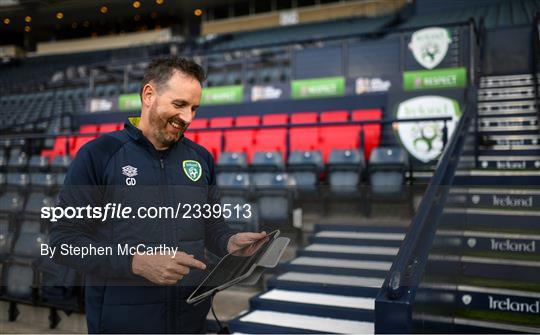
149	163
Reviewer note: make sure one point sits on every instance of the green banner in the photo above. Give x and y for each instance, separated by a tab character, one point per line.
441	78
318	88
128	102
222	95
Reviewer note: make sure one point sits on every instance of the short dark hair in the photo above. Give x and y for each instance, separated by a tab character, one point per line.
161	70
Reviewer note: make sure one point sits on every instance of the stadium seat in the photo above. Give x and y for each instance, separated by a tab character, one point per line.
60	148
29	240
17	162
242	140
17	181
19	280
35	201
273	139
273	198
11	203
345	169
42	181
38	163
109	127
267	161
232	161
371	132
196	124
79	141
235	193
338	137
305	167
304	138
212	140
60	163
387	166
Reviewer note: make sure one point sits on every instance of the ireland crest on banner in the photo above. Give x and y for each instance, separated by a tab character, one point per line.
430	45
424	140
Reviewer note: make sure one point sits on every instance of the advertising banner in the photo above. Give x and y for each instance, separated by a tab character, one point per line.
129	102
222	95
440	78
318	88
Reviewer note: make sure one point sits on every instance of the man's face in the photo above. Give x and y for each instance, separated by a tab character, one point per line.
174	108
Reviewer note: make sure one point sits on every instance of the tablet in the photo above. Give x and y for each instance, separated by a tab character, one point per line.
233	268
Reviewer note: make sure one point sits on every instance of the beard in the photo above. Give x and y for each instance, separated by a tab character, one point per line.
159	128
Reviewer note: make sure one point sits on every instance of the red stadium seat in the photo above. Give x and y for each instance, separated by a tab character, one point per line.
242	140
274	139
89	128
109	127
59	147
338	137
79	141
372	132
196	124
211	139
304	138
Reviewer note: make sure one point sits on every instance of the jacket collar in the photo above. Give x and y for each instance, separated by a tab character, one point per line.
131	127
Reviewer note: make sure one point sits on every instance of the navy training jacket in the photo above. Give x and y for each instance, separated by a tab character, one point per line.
124	168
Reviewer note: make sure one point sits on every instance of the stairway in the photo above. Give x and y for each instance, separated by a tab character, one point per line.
330	287
486	257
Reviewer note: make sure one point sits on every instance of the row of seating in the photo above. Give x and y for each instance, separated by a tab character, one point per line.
323	138
70	145
284	134
19	162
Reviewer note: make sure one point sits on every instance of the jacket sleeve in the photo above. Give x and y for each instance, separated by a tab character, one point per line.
217	231
83	186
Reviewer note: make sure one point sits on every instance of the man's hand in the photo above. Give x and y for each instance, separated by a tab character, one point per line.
240	240
164	269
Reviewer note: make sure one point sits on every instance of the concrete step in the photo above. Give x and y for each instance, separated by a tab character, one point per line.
497	220
509	162
272	322
513	141
507	107
349	252
511	307
506	93
364	286
366	238
525	246
483	177
316	304
506	81
495	198
337	266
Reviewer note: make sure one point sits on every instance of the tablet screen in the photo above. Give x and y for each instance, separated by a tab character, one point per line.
234	265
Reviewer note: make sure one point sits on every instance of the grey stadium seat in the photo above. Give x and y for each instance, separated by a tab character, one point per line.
345	168
305	167
274	197
387	166
232	161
